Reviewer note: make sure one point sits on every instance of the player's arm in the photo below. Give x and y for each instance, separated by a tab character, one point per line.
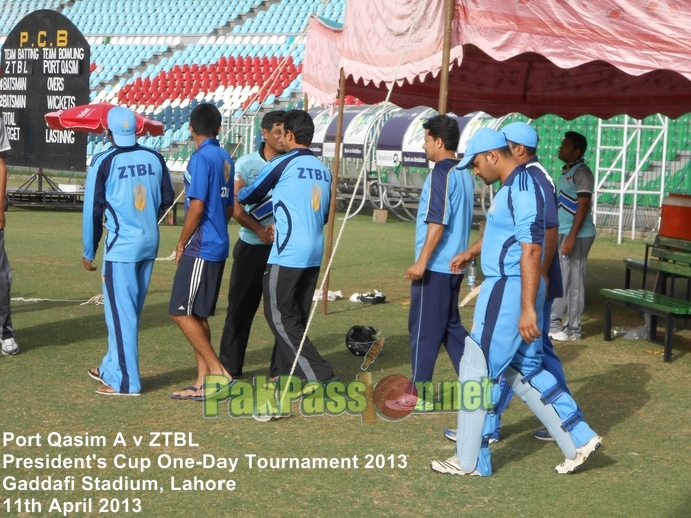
192	220
92	213
436	217
585	183
267	180
3	190
435	231
466	257
240	215
529	230
198	190
530	282
167	191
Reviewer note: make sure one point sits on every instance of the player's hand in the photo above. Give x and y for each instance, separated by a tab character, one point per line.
178	256
461	261
527	325
415	272
88	265
2	220
567	246
267	235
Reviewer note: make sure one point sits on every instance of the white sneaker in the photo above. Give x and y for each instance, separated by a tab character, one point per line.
265	418
9	347
562	336
582	454
450	434
450	466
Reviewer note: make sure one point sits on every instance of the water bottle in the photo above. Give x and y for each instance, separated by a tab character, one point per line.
471	275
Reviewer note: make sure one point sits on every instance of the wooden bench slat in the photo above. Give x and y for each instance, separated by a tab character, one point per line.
670	242
650	299
671	255
676	269
639	264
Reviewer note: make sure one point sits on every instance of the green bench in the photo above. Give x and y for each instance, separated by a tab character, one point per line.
645	266
669	258
635	264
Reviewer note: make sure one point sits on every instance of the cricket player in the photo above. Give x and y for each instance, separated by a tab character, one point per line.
130	185
506	339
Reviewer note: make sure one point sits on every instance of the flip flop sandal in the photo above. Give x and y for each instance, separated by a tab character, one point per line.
203	397
95	374
181	397
107	390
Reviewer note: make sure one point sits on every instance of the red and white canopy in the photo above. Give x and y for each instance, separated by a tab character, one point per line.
567	57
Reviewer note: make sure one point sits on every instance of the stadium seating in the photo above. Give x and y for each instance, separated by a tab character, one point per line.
14	10
163	57
155	16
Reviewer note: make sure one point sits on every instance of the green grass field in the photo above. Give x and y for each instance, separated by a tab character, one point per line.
635	401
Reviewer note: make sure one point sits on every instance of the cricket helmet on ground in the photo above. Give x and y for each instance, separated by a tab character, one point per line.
359	339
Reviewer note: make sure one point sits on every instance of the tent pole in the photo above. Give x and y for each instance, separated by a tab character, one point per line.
446	57
334	186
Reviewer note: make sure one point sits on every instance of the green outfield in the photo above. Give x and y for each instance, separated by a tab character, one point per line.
635	401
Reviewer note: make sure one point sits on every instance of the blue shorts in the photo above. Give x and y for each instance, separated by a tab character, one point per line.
196	286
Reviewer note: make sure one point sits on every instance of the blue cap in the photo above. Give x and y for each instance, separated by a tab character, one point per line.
484	139
521	133
123	124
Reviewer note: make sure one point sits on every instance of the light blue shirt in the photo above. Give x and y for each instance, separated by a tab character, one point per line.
516	216
129	186
447	199
247	169
301	185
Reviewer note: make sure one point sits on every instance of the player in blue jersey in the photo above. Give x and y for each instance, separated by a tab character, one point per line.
523	142
130	185
506	339
301	186
251	252
203	245
442	230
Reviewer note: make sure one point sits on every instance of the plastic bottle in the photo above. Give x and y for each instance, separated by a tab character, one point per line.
471	275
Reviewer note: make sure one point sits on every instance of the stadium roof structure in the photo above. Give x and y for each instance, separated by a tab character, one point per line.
565	57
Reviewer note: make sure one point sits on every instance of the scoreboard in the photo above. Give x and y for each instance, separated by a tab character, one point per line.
45	67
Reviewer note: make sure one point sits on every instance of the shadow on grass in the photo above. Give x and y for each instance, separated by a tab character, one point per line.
169	379
19	308
606	399
569	351
347	366
92	327
343	308
681	510
394	355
